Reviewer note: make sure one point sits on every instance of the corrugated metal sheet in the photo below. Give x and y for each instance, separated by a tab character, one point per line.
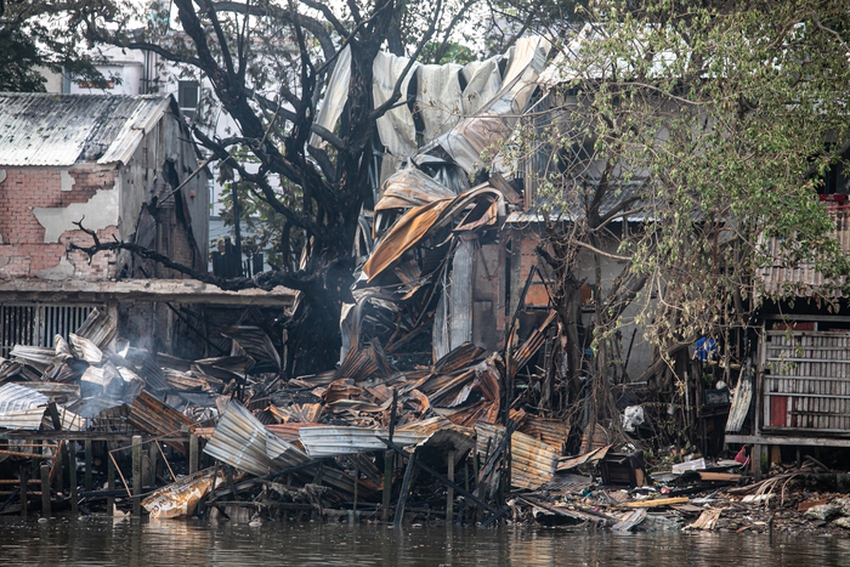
15	397
806	381
408	188
155	417
21	407
98	327
242	441
331	441
533	462
239	440
39	129
802	279
256	343
419	222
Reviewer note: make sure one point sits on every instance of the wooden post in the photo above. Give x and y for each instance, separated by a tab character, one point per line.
389	458
193	453
356	484
154	464
450	492
405	489
110	481
70	451
89	459
45	489
24	481
137	475
756	457
388	485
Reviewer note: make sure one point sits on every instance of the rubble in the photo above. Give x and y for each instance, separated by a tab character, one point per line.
215	437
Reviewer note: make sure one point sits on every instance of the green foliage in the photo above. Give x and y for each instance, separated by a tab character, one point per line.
50	34
713	124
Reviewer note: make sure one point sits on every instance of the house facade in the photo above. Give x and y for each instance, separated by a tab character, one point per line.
122	167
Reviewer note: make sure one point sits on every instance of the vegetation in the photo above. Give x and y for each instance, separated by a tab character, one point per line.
29	40
679	136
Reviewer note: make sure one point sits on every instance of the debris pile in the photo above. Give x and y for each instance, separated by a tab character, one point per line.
228	436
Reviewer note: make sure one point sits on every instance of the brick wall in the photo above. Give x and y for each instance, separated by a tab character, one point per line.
23	252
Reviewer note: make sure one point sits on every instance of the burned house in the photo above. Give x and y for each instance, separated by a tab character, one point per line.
123	167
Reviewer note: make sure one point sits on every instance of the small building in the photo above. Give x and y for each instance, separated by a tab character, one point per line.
125	168
797	390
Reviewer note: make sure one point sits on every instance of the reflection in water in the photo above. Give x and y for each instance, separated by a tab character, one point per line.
96	542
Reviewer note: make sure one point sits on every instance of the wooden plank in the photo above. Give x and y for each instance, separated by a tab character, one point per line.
657	503
742	401
718	476
778	440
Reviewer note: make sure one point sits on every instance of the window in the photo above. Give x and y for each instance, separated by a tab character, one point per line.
187	98
36	324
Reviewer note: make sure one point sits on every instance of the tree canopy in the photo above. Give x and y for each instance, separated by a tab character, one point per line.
47	34
688	135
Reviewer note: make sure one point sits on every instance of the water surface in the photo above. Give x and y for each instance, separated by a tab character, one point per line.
99	541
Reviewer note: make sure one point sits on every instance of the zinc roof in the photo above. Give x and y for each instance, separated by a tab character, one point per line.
43	129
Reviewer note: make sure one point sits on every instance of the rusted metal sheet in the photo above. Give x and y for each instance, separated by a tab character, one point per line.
802	279
157	418
256	344
408	188
533	462
439	432
417	223
181	498
591	457
549	430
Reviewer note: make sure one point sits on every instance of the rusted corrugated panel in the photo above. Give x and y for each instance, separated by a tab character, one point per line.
803	280
61	130
533	462
417	223
551	431
180	498
441	433
239	440
410	188
154	417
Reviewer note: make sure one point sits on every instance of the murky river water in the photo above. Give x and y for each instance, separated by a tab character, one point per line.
95	542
